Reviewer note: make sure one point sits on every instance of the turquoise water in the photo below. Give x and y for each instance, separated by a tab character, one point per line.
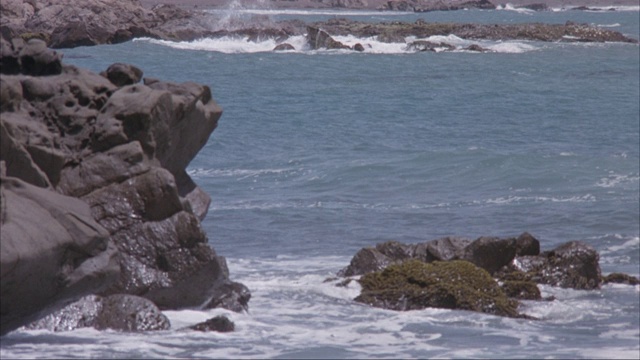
320	153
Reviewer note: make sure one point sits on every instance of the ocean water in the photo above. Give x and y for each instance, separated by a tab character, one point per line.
320	153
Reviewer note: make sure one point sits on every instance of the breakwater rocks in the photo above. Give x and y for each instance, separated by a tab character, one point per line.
94	196
488	274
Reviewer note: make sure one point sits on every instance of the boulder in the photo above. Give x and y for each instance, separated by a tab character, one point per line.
52	252
320	39
443	249
219	324
116	312
414	285
526	244
570	265
283	47
366	260
490	253
123	74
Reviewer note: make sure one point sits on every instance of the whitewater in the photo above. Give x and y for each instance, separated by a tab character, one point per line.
322	152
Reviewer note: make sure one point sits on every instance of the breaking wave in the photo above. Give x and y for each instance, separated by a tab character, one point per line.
242	45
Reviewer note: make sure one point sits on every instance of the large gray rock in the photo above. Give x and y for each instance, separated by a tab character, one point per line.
122	150
52	252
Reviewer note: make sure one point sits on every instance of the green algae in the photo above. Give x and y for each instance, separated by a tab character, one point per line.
455	284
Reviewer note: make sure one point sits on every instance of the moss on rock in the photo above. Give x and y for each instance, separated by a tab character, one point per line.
455	284
524	290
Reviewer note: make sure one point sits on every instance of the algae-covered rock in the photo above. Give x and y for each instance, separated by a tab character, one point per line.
524	290
456	284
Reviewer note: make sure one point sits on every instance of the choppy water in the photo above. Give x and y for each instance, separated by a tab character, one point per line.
320	153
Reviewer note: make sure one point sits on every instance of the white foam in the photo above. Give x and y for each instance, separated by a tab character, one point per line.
509	7
242	45
608	25
614	180
633	243
229	45
525	199
239	173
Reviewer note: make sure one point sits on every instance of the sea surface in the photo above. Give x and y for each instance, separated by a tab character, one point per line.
320	153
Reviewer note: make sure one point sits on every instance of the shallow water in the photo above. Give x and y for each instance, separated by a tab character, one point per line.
320	153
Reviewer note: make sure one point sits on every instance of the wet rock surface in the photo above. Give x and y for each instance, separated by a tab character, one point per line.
99	162
219	324
121	312
454	284
390	271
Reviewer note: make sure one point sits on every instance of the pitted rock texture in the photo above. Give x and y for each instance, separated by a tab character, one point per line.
121	148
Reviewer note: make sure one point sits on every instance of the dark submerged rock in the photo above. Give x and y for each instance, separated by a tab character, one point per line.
454	284
219	323
476	48
284	47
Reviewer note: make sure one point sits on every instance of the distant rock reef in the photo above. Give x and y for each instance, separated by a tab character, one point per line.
94	197
65	24
488	275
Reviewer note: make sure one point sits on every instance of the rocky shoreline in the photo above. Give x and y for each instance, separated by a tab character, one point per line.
61	25
489	274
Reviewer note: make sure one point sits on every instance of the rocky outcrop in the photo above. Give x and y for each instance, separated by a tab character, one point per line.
119	148
116	312
414	285
66	23
391	270
436	5
397	31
